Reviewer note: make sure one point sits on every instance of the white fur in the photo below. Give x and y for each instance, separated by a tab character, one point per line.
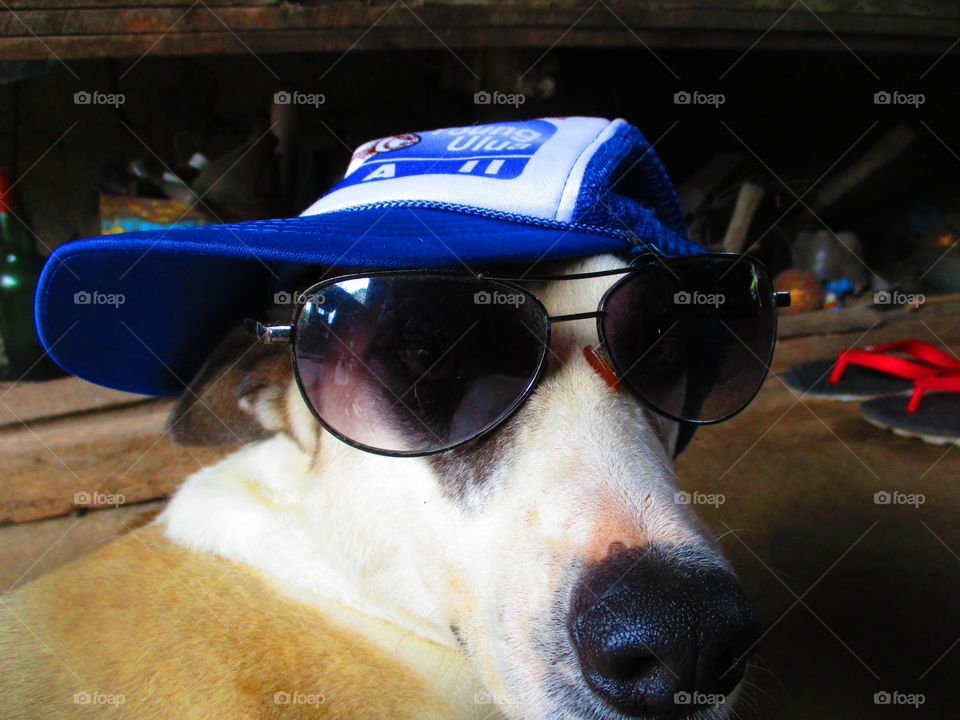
589	468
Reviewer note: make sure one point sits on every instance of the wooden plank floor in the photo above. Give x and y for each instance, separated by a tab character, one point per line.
67	444
30	549
855	597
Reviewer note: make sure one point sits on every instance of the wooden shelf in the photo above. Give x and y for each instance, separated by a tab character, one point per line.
37	29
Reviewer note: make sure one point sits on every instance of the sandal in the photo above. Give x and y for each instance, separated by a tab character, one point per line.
935	420
870	372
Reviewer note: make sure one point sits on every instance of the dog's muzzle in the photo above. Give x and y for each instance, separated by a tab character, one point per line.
661	638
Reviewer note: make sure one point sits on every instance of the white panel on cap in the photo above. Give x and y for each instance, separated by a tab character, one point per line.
571	192
538	191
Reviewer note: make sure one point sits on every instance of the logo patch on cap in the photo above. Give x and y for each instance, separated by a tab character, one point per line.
368	149
499	151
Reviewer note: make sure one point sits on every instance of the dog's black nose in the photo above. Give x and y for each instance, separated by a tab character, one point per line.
661	637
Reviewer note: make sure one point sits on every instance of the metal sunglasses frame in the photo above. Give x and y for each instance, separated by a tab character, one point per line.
276	334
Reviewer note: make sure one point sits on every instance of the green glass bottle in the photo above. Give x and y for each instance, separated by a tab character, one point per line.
19	267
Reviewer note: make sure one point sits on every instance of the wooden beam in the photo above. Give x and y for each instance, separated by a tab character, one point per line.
130	29
26	402
104	4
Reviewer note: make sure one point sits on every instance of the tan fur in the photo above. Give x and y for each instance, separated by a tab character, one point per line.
182	635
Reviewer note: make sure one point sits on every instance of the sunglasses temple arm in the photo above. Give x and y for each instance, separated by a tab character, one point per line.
267	334
781	299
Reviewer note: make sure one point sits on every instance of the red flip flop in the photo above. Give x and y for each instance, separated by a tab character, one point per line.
874	357
871	372
933	417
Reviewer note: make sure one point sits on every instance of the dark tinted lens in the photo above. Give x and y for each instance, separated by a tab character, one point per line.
413	364
692	338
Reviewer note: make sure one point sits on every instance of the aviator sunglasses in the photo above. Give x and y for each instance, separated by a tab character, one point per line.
411	363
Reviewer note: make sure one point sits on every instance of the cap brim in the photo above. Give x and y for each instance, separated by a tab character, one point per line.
141	311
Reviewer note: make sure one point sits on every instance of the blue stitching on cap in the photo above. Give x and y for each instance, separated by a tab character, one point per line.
646	230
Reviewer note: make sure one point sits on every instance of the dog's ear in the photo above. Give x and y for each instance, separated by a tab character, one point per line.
237	396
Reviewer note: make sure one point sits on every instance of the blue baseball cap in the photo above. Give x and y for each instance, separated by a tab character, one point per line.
141	311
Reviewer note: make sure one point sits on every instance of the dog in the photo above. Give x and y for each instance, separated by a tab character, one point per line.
543	571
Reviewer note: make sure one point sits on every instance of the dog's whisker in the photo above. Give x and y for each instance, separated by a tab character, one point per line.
731	531
754	686
755	665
